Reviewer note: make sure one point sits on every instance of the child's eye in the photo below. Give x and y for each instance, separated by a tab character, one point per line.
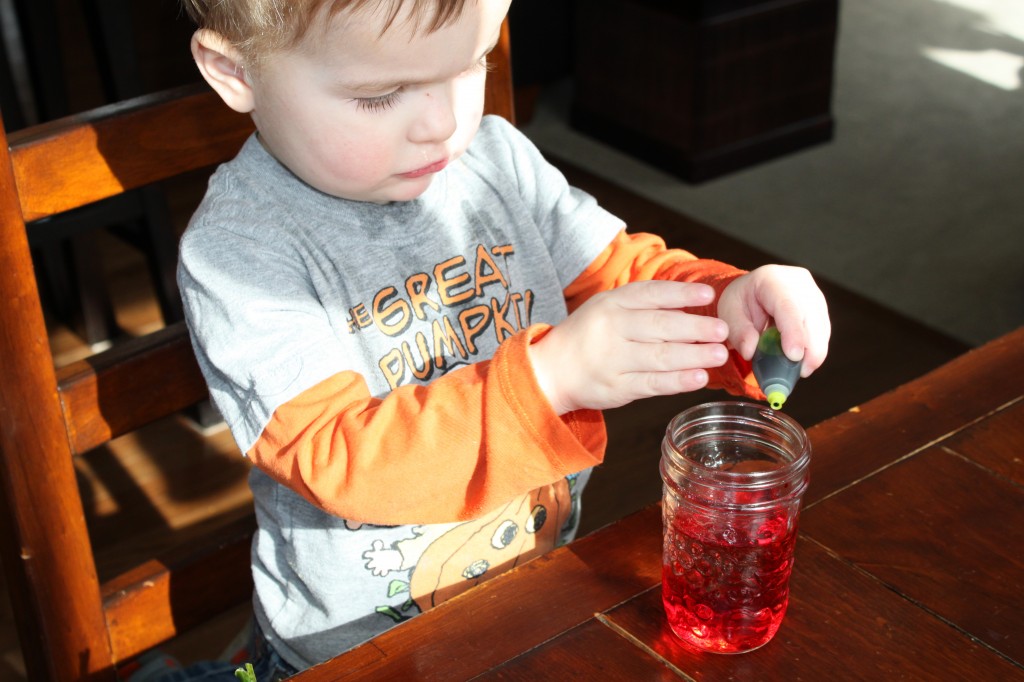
380	103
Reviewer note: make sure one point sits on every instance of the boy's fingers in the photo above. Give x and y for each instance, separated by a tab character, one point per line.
744	340
648	384
648	326
818	350
805	338
671	383
664	294
790	322
673	357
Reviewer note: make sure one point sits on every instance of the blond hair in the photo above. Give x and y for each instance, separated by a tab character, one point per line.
258	27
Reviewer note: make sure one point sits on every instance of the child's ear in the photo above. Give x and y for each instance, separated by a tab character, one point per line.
221	66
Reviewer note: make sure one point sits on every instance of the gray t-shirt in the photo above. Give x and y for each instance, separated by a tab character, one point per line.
278	281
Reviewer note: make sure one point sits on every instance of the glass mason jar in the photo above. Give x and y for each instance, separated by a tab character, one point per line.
734	475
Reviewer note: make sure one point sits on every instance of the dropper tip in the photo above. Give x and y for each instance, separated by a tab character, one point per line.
776	399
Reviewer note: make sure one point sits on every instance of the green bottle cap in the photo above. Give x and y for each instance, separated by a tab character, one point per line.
776	399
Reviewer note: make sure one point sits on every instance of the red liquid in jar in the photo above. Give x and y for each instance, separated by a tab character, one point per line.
726	590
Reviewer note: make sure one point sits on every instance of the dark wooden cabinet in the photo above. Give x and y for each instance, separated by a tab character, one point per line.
705	87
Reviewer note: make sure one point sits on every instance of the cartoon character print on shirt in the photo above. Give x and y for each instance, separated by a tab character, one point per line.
447	559
439	318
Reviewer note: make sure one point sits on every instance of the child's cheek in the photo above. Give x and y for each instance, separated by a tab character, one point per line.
357	162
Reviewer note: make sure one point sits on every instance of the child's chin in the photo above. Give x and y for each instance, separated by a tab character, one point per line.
410	189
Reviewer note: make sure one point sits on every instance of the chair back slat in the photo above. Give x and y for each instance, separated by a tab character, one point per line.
81	159
92	390
146	606
498	98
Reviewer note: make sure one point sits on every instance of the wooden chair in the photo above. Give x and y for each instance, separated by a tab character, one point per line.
72	624
65	248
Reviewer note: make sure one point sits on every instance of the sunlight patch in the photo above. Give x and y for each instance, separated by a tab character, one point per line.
995	67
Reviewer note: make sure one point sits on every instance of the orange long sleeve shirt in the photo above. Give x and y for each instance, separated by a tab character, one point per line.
473	438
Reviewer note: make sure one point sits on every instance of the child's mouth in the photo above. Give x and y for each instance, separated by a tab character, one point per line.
435	167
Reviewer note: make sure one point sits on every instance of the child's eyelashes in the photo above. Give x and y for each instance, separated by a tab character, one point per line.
484	64
379	103
384	102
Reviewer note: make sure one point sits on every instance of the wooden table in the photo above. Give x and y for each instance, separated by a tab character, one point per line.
909	564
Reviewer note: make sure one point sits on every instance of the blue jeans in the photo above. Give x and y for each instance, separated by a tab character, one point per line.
266	662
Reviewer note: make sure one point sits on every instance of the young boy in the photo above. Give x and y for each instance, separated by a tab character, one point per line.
411	323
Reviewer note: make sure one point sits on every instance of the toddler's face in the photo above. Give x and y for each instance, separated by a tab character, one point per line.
373	117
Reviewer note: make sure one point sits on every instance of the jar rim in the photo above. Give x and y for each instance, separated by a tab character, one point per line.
746	419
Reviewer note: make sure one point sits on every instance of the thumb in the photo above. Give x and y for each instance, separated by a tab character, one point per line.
744	340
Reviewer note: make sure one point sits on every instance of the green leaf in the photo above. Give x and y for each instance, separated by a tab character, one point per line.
390	612
246	674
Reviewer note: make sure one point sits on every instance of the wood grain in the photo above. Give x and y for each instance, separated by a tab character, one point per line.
590	651
942	531
855	444
498	96
81	159
841	624
161	598
996	443
91	390
47	555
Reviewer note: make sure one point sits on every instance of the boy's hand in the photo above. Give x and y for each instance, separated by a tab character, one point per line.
631	342
787	295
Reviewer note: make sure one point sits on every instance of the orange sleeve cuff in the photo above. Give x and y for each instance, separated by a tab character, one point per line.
452	450
573	430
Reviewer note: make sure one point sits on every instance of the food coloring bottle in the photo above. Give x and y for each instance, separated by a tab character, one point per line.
775	373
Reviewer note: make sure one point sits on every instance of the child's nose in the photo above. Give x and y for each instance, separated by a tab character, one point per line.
436	121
